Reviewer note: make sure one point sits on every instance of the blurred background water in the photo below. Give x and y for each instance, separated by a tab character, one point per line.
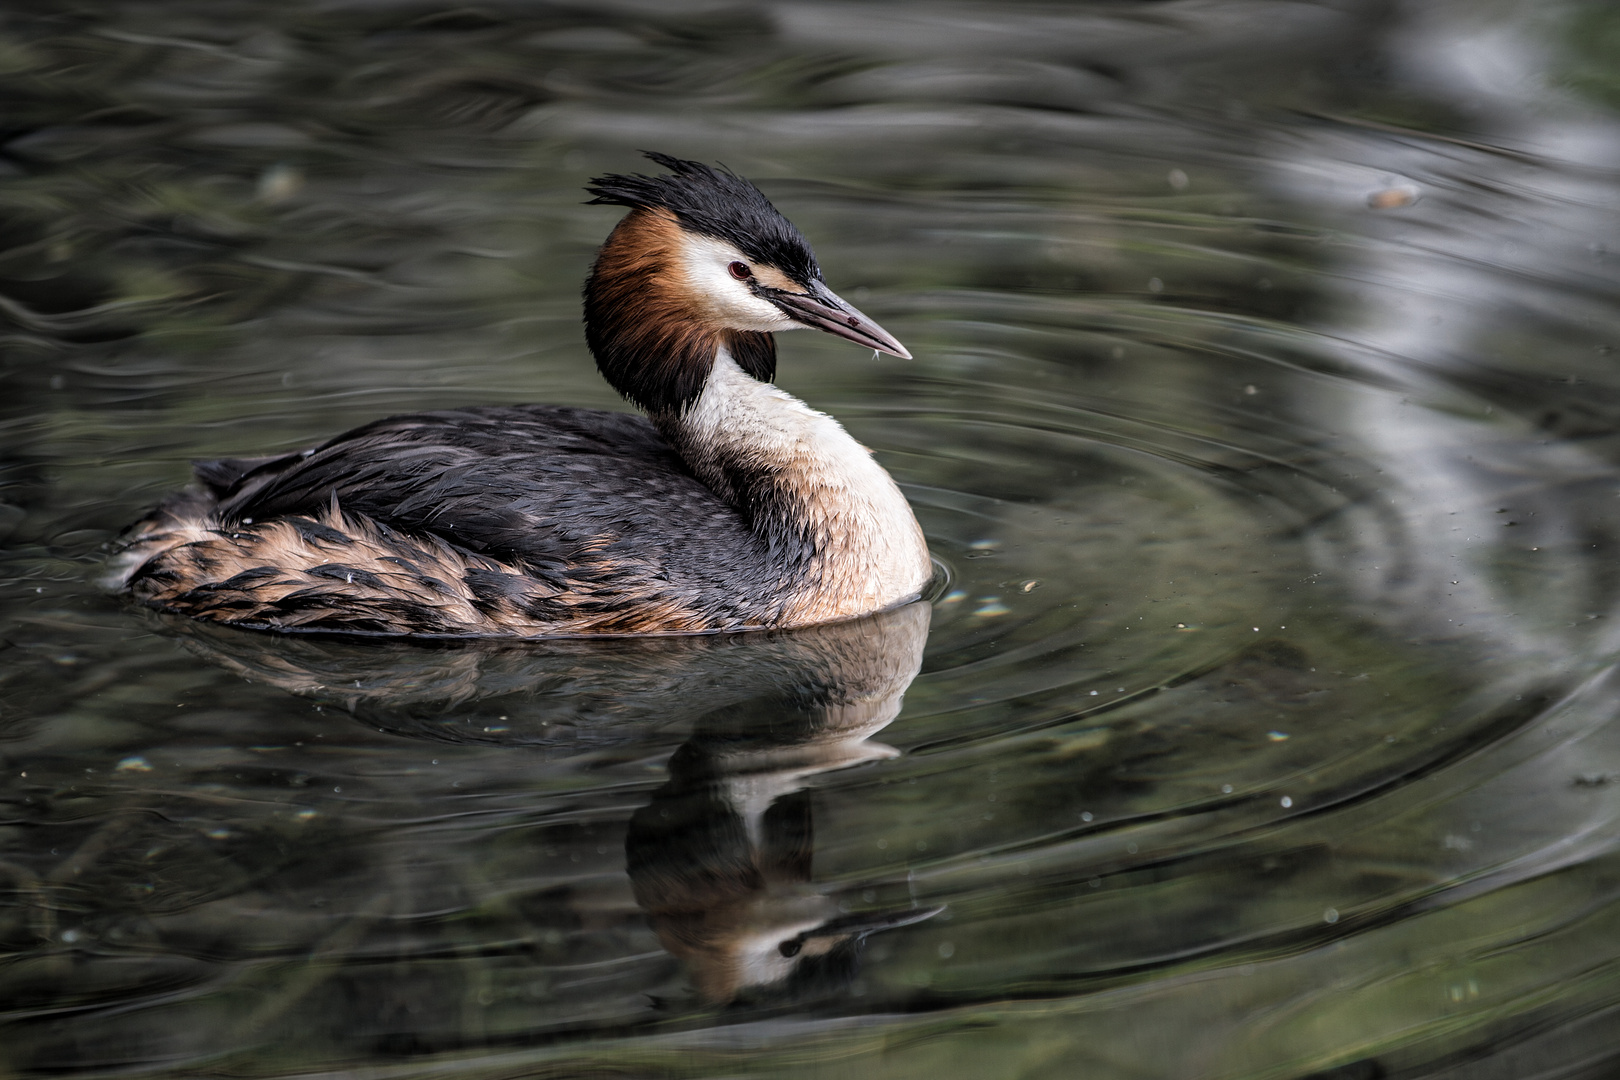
1264	412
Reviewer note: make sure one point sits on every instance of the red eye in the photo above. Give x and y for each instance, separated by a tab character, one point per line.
740	271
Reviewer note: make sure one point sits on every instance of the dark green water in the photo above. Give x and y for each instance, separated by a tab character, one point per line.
1264	410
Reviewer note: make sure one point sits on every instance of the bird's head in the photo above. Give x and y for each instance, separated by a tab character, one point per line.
703	261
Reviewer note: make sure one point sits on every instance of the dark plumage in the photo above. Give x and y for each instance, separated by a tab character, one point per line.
571	517
717	203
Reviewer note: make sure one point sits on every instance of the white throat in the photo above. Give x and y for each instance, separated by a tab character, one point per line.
868	552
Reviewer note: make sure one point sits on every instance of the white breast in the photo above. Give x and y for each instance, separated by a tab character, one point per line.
871	552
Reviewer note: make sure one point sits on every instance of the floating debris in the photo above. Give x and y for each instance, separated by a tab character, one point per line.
133	764
1393	198
277	184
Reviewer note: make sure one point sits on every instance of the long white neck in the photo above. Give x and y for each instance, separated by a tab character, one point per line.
846	539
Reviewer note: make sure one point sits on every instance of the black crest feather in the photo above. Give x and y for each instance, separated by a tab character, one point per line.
717	203
647	347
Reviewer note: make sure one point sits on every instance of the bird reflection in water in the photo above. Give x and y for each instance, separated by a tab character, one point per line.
720	859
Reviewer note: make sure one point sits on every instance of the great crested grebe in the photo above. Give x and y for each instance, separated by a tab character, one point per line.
731	506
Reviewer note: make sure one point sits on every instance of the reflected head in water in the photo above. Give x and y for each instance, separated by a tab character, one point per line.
721	858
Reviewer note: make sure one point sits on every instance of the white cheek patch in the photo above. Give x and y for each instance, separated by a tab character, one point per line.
705	264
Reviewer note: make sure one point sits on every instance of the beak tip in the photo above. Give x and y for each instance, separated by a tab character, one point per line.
823	309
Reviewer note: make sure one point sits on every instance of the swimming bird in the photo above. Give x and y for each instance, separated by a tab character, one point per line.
730	505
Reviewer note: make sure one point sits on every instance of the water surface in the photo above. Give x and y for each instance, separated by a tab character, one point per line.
1263	414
